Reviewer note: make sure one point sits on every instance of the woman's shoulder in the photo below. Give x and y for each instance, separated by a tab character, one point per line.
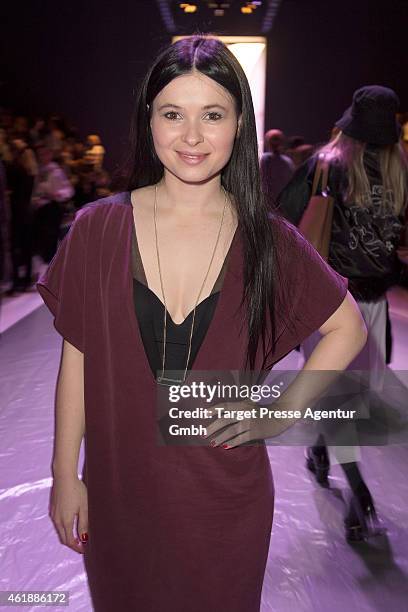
293	252
302	274
102	207
284	233
90	220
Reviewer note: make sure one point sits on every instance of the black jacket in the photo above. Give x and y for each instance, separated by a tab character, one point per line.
363	239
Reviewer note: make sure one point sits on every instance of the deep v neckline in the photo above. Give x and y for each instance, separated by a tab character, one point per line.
177	325
135	245
229	264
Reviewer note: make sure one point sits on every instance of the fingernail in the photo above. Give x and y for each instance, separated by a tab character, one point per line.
225	446
84	537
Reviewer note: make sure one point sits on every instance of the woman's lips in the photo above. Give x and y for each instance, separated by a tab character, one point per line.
192	160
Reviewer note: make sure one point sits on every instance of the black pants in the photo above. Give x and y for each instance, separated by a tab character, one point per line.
47	221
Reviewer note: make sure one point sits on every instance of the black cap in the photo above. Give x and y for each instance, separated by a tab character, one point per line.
372	116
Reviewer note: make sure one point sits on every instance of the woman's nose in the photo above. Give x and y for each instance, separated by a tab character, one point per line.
192	134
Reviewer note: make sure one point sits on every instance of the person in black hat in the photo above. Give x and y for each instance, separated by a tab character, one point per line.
368	173
372	117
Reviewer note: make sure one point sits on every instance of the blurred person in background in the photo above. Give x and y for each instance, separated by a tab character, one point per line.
20	128
276	169
71	157
293	142
37	131
20	174
301	153
65	160
52	188
92	180
6	119
3	218
5	151
368	181
404	128
298	150
95	150
55	134
5	158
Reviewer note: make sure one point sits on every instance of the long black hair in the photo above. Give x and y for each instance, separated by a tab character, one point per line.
240	176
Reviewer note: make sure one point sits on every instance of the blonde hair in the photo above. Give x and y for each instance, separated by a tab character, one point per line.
393	168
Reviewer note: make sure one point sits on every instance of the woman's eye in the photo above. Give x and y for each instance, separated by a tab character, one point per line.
215	116
170	113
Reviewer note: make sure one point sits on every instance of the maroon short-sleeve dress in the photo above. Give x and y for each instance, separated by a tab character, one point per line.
183	528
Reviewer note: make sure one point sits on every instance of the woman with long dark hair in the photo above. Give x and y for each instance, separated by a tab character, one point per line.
181	272
367	178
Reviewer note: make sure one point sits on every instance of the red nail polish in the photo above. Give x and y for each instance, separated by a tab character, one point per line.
225	446
84	537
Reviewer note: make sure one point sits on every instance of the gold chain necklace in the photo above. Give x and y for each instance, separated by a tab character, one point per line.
163	380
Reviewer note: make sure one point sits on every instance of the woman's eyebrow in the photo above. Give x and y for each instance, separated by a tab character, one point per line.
206	107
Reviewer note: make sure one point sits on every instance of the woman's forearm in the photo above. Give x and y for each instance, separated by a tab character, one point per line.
69	413
334	352
343	337
337	349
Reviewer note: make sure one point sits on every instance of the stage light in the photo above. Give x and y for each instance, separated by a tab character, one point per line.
246	10
187	7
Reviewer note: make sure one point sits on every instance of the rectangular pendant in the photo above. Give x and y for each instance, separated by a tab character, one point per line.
168	382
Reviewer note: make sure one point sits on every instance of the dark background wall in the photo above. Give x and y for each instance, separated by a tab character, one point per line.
320	51
84	59
81	59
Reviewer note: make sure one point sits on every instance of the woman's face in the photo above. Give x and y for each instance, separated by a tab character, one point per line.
194	124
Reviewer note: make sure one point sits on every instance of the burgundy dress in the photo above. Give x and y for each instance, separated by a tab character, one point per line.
178	528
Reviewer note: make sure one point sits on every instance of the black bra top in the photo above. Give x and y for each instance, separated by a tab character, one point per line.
150	315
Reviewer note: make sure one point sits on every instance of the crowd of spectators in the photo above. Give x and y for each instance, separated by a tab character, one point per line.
47	172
